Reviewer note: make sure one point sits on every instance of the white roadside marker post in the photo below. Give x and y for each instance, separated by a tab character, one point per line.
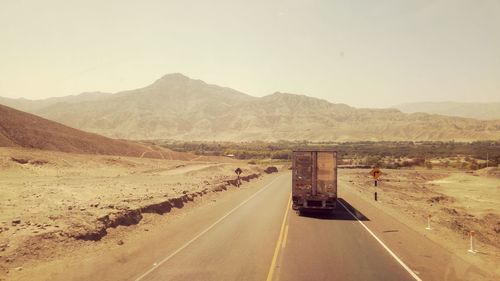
428	223
471	234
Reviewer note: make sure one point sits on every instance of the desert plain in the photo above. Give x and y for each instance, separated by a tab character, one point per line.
51	202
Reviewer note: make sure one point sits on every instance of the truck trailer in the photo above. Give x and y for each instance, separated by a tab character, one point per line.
314	180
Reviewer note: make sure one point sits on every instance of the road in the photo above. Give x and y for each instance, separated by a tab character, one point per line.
262	238
250	233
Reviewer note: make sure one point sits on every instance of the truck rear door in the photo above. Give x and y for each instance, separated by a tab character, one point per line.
302	173
326	178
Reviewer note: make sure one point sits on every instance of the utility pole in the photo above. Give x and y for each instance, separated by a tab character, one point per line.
487	160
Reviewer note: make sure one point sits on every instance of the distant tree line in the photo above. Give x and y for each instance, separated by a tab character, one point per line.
403	154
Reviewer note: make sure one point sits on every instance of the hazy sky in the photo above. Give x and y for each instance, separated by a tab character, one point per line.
363	53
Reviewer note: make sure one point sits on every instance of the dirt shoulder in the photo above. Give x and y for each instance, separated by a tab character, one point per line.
458	202
53	204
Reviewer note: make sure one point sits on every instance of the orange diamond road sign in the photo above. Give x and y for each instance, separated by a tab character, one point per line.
376	173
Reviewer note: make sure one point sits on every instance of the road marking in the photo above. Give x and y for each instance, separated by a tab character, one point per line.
156	265
278	243
283	245
413	274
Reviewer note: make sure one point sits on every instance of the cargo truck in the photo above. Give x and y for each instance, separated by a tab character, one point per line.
314	180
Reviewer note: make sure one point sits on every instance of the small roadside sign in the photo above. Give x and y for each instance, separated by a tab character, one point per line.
238	171
375	173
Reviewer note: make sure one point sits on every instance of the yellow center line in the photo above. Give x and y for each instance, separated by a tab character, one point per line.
283	245
278	243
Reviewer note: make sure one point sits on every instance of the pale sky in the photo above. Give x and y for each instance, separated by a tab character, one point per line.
372	53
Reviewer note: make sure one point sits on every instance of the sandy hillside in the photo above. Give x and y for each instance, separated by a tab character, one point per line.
56	199
20	129
458	202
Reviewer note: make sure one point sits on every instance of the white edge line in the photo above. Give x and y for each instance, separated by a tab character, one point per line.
383	245
203	232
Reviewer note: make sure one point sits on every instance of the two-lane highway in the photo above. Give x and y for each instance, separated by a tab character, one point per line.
262	238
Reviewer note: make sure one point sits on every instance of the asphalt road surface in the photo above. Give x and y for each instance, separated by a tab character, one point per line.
261	238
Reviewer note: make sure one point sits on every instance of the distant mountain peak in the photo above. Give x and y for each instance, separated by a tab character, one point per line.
174	76
283	94
295	97
177	79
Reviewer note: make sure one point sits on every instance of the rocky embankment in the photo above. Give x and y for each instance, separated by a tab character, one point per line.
130	216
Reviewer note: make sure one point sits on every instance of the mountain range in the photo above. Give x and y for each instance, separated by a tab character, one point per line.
482	111
179	108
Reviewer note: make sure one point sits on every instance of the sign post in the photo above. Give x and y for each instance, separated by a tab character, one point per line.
238	172
375	173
